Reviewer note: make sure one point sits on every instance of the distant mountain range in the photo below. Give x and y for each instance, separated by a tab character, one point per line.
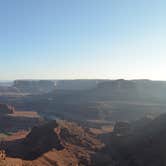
147	87
106	99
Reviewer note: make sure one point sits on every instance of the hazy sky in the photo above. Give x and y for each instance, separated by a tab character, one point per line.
82	39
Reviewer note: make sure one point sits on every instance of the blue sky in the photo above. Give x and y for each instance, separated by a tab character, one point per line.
70	39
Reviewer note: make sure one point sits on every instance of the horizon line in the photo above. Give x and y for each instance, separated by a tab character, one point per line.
72	79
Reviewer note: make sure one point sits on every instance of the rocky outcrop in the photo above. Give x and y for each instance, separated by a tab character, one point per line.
60	137
144	145
6	109
42	139
121	128
12	120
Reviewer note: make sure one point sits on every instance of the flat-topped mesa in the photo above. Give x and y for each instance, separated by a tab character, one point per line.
34	86
6	109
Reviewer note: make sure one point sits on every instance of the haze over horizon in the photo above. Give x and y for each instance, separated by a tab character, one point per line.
61	39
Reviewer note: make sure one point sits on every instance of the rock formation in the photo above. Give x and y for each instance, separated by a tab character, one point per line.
6	109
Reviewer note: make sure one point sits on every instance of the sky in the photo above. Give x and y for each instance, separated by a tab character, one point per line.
77	39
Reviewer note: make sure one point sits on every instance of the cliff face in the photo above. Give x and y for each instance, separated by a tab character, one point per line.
132	90
94	89
45	86
6	109
34	87
76	84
